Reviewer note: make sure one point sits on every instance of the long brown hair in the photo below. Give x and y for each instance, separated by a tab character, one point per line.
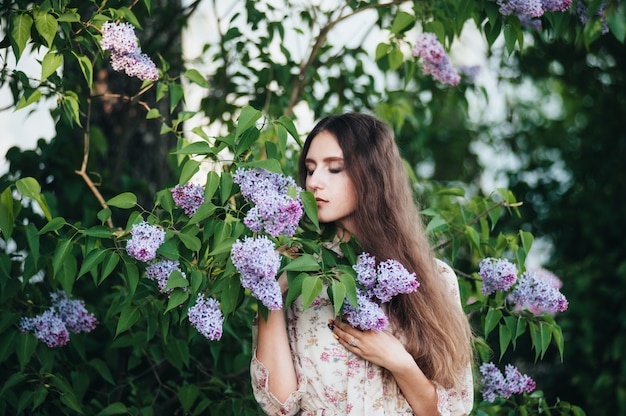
434	327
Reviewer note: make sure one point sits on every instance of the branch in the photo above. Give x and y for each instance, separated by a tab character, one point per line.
300	82
475	220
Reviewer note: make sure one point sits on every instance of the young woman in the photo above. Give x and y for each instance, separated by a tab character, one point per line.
309	364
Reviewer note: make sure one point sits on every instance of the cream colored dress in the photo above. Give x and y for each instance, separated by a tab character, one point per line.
334	382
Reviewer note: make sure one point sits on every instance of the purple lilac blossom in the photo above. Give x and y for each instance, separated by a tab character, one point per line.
537	295
497	275
145	241
582	10
189	197
529	22
496	384
207	317
367	316
435	60
365	269
48	328
470	71
73	313
257	262
126	54
393	279
556	5
532	8
160	271
275	210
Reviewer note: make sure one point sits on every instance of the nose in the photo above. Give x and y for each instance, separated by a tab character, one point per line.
314	181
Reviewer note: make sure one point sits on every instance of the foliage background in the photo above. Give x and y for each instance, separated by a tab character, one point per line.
569	175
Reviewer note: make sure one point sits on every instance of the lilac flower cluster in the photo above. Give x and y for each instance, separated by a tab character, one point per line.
126	54
160	271
536	291
582	13
275	210
497	275
207	317
435	60
258	262
537	295
532	8
145	241
189	197
53	326
497	384
377	284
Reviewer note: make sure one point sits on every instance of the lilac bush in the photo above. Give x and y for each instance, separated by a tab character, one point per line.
160	271
537	295
207	317
497	275
495	384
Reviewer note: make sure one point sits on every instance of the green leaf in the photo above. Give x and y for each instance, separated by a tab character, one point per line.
291	128
69	17
7	214
47	26
93	259
226	185
54	224
29	97
153	113
212	183
402	22
29	187
51	61
337	293
125	200
204	211
176	94
311	288
247	118
129	316
395	59
109	265
310	207
453	191
26	345
71	109
33	241
187	395
192	242
505	339
117	408
272	165
176	279
86	68
177	297
67	273
190	168
510	37
132	277
63	249
248	138
20	32
195	148
347	276
491	320
304	263
197	78
617	25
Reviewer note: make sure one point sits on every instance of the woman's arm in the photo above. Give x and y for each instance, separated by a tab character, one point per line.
274	352
385	350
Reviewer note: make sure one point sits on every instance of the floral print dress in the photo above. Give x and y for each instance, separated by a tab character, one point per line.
332	381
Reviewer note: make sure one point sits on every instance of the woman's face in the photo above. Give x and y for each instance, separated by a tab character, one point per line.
327	178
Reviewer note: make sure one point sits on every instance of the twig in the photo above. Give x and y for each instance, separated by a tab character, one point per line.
475	220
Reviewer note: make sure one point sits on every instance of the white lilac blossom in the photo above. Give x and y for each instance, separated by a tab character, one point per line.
257	262
160	271
126	54
278	207
497	275
435	60
377	284
145	241
537	295
504	385
53	326
189	197
207	317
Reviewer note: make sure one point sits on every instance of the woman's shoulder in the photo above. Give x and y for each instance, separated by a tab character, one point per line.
447	273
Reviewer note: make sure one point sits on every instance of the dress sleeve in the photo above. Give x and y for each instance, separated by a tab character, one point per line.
260	376
458	401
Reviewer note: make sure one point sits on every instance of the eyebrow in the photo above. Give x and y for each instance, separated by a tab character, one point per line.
326	159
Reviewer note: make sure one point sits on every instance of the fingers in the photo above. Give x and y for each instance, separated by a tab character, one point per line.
347	335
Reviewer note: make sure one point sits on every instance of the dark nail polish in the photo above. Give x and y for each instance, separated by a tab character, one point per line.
331	326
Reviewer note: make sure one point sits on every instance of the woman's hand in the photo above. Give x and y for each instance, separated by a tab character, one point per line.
380	348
